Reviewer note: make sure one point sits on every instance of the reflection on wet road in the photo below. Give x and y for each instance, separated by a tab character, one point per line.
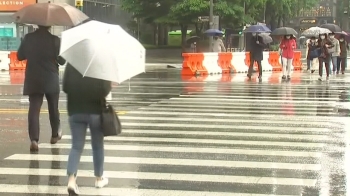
212	136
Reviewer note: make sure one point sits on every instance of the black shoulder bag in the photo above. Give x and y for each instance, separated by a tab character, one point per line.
110	122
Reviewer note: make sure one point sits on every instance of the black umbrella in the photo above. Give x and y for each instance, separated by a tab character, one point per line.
193	39
332	27
284	31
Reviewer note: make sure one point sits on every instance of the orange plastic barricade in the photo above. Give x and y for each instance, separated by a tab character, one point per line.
193	83
274	60
193	64
224	62
247	61
17	76
15	64
297	63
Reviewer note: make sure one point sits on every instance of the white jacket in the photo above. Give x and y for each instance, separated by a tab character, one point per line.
336	47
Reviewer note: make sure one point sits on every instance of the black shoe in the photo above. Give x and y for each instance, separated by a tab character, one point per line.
288	77
312	71
283	77
34	146
54	140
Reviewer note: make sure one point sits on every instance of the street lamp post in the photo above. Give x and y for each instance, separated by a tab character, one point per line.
345	25
211	23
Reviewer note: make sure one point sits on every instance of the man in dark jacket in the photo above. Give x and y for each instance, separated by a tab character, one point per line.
41	50
256	54
342	59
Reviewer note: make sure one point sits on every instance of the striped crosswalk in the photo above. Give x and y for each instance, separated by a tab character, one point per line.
228	139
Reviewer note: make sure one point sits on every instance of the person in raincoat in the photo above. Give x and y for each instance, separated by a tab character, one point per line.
256	54
287	45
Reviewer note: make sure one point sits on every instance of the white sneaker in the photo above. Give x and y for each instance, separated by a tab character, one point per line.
73	189
101	183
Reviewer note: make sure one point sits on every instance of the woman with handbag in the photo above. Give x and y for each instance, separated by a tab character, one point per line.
312	53
288	45
85	97
324	44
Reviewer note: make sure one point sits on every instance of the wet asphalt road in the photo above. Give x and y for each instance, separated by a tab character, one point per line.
215	136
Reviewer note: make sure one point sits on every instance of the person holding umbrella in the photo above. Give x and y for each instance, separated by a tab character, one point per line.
287	45
218	44
312	54
334	51
324	44
41	50
256	54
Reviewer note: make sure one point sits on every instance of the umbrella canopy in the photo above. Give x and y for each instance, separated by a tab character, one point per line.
266	38
106	52
50	14
345	35
315	32
192	39
257	29
332	27
212	32
284	31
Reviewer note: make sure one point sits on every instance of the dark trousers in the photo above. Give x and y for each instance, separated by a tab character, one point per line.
341	63
35	102
251	66
324	61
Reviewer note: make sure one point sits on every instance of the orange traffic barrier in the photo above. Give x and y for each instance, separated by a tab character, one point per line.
17	76
224	62
15	64
193	64
297	63
247	61
274	61
193	83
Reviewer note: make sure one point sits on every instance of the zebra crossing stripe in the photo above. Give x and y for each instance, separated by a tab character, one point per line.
45	189
165	176
187	149
168	161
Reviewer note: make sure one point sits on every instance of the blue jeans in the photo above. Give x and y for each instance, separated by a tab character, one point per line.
334	61
308	64
78	125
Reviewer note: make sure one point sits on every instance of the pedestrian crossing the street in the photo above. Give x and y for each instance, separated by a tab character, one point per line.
221	139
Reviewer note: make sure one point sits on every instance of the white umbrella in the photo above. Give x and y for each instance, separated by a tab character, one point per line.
103	51
315	32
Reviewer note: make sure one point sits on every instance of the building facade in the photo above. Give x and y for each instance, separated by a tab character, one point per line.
324	12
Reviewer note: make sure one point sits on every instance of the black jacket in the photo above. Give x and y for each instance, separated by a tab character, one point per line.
84	95
257	50
40	49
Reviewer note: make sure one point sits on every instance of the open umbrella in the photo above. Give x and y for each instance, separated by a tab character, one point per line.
284	31
332	27
50	14
192	39
212	32
266	37
257	29
345	35
90	54
315	32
